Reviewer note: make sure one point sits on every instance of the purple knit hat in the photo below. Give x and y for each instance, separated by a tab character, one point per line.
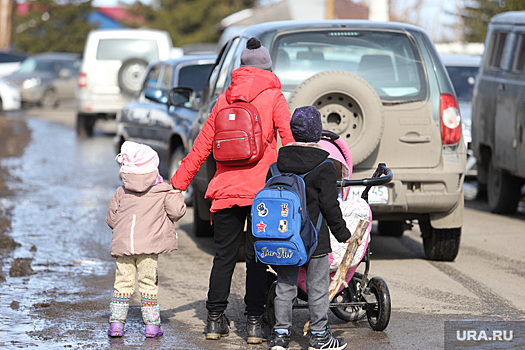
306	124
256	55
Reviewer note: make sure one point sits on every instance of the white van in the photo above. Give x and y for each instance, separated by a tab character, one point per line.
113	65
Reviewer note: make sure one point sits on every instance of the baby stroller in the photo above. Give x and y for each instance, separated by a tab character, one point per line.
362	296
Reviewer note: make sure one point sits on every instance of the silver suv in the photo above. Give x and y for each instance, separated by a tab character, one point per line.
383	88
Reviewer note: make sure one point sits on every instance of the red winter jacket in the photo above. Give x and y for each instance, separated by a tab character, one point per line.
238	185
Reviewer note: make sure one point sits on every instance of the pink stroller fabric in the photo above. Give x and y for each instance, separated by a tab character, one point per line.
342	159
352	210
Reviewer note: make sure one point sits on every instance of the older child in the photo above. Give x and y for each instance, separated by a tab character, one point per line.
321	195
141	214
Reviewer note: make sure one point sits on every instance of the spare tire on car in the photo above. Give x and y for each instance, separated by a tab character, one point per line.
130	75
349	106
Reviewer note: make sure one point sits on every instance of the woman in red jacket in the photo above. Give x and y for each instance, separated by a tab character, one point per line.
233	188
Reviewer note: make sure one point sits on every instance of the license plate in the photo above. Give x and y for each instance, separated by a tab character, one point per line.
376	195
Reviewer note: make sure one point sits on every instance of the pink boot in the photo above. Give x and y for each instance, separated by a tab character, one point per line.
116	330
153	331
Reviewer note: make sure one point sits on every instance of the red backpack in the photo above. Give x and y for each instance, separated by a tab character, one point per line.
238	136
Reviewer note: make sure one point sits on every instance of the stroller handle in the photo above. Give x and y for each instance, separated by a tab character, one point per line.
375	180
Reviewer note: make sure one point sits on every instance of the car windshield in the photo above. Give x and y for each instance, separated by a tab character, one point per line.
463	79
122	49
389	61
31	65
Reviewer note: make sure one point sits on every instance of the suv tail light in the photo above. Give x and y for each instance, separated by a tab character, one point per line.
82	80
450	120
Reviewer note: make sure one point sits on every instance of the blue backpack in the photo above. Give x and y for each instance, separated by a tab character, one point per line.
281	221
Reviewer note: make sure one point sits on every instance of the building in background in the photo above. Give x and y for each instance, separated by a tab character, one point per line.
114	17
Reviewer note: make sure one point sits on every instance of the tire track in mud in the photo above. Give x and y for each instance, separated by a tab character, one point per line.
506	264
493	303
488	302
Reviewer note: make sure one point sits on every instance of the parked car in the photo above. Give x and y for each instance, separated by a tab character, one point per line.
46	79
498	113
148	120
383	88
9	96
462	70
113	66
10	62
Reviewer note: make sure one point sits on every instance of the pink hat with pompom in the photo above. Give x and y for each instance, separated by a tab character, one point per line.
136	158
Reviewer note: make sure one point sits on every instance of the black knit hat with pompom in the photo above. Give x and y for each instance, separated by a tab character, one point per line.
256	55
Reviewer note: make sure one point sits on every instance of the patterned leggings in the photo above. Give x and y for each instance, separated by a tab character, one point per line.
143	265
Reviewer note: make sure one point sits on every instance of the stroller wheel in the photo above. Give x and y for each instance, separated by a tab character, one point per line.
379	313
348	295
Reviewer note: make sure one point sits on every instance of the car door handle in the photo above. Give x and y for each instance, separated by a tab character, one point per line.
501	87
414	139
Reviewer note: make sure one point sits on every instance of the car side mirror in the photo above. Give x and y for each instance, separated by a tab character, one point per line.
155	95
181	97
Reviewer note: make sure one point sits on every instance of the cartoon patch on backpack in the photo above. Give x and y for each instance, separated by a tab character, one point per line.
261	227
284	210
283	226
262	211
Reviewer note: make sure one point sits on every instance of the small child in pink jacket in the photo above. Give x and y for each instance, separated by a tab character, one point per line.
141	214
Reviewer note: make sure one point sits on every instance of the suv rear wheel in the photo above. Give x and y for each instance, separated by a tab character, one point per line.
201	228
503	191
349	106
439	244
49	99
85	124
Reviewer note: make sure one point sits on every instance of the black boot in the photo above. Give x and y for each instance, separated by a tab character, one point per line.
255	331
217	326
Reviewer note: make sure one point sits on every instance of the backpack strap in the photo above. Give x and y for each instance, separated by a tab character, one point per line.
320	218
274	169
271	137
317	166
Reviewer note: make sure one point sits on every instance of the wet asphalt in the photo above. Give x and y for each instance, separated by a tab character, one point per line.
54	204
60	188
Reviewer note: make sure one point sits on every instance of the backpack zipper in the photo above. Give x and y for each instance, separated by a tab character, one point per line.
235	139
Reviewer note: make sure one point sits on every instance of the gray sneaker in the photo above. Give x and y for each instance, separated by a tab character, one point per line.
326	341
279	341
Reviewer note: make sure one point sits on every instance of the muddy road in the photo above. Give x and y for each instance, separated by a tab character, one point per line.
56	273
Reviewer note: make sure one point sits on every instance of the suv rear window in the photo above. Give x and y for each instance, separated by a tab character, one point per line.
122	49
389	61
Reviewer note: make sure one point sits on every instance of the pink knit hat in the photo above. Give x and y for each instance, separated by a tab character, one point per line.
136	158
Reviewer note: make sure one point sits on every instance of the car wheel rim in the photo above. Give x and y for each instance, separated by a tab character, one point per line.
340	114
